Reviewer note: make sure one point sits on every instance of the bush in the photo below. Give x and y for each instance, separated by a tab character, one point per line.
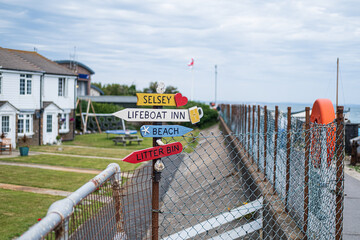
210	115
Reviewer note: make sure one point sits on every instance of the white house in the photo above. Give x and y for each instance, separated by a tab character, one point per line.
37	97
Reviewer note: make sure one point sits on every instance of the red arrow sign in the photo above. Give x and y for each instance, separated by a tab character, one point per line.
154	153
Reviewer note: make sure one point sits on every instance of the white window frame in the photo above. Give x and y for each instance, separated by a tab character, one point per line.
26	79
64	125
62	87
7	125
47	123
26	121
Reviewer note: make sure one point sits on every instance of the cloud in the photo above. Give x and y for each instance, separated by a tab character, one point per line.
267	50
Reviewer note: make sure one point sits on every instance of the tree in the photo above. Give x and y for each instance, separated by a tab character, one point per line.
153	85
117	89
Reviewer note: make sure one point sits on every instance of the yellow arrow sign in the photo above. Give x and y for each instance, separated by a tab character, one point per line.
155	99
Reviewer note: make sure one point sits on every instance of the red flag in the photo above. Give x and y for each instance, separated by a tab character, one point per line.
191	64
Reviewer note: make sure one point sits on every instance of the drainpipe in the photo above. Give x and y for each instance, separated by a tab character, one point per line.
75	99
42	77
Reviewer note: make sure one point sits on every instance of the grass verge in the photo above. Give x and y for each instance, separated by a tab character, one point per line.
70	161
34	177
20	210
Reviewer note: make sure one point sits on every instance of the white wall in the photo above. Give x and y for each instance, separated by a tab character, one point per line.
11	90
51	91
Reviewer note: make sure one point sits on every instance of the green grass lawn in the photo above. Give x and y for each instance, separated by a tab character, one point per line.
20	210
42	178
100	140
69	161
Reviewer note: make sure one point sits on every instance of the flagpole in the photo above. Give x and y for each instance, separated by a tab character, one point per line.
192	83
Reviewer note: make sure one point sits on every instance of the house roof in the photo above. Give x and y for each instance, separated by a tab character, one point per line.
111	99
97	89
12	59
46	104
2	103
77	63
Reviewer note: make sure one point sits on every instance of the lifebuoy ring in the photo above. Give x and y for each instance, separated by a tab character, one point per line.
322	114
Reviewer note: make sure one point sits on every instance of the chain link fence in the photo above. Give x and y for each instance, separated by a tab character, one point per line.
261	175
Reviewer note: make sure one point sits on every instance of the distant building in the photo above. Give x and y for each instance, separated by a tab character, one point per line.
37	97
84	76
95	91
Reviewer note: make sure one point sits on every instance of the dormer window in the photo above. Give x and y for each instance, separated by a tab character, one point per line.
25	84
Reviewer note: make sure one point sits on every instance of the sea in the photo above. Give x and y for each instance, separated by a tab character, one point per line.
353	115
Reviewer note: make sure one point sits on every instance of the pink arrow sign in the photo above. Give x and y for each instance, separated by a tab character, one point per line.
154	153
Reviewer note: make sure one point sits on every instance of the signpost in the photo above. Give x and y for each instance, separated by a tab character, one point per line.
160	115
154	153
157	115
163	130
157	99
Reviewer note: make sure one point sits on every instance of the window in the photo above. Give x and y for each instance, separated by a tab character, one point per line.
25	123
64	123
25	84
49	123
5	124
61	87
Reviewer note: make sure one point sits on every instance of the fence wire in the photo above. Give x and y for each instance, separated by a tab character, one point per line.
263	175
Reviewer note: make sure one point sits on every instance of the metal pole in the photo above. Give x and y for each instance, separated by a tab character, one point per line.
215	84
306	173
156	177
288	145
339	172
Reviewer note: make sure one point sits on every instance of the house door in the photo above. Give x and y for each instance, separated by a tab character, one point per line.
50	128
8	127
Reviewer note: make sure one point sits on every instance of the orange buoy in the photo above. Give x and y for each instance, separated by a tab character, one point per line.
322	114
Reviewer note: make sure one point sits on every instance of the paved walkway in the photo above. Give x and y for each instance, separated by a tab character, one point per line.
50	167
34	190
352	204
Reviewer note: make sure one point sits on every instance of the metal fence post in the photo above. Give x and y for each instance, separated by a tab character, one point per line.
265	138
275	144
288	145
306	173
339	172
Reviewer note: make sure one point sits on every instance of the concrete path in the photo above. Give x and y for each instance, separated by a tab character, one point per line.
50	167
34	190
352	204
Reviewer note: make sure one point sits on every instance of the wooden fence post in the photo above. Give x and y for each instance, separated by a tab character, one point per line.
306	172
265	138
288	152
339	172
275	144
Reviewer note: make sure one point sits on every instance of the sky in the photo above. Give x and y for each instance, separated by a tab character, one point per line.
265	51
